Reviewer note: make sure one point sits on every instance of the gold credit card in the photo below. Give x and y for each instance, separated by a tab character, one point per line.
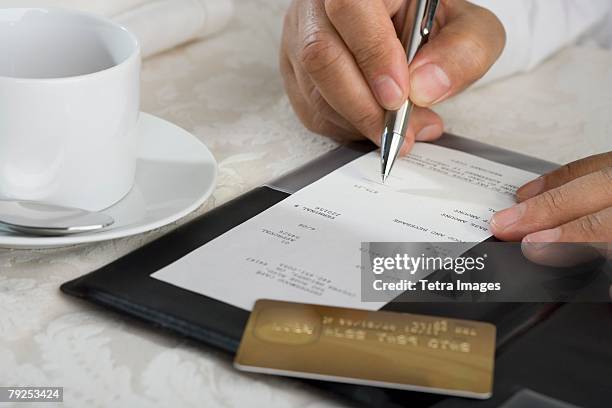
382	349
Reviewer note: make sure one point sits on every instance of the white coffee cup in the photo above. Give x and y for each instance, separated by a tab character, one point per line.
69	105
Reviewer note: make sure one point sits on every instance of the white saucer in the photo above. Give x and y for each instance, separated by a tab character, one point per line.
176	173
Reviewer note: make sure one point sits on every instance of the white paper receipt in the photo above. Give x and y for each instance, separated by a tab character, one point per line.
307	247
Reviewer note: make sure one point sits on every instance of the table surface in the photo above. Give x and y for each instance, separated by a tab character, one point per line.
227	91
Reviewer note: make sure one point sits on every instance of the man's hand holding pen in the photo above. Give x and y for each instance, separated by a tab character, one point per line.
343	64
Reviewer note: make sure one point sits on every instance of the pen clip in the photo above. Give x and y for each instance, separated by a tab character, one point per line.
429	18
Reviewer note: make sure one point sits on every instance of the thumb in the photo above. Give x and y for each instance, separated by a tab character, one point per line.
469	41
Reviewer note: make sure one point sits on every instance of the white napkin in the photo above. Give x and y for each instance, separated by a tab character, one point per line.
163	24
158	24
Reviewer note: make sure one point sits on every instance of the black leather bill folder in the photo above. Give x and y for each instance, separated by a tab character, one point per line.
563	351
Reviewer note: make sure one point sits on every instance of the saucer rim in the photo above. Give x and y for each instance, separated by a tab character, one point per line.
24	242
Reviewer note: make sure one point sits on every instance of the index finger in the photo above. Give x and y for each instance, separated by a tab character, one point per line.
368	31
555	207
564	174
324	57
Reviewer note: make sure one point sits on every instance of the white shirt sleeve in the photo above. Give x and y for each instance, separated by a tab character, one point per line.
536	29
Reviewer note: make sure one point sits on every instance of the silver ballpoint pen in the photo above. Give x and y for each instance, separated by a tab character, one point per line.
422	13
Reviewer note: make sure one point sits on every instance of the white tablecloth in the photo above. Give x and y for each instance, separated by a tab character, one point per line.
227	91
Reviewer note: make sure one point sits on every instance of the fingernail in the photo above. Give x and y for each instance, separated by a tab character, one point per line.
506	218
429	84
388	92
542	239
531	189
429	133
